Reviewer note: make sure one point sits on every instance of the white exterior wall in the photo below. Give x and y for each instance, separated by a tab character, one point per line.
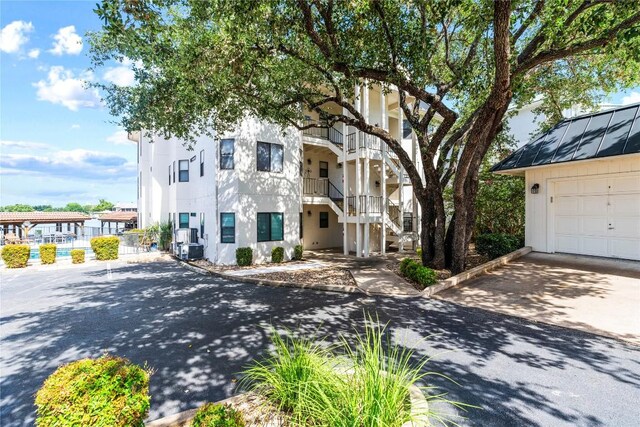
537	205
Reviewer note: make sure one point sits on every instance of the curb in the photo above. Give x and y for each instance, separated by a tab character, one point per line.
476	271
271	283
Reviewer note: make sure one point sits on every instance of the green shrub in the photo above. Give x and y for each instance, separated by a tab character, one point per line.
496	245
244	256
165	235
415	271
298	250
48	253
419	251
77	256
277	254
215	415
16	256
108	391
106	247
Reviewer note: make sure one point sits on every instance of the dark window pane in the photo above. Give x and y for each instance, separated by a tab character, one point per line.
184	171
277	157
228	227
616	137
202	225
324	219
184	220
277	226
169	174
406	129
324	170
264	156
202	163
227	149
592	136
301	233
263	227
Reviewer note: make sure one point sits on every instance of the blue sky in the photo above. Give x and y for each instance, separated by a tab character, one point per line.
59	144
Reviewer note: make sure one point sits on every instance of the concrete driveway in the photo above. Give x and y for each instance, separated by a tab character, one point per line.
596	295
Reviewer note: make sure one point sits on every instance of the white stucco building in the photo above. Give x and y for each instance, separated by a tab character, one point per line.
262	186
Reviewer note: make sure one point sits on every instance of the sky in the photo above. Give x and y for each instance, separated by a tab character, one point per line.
58	143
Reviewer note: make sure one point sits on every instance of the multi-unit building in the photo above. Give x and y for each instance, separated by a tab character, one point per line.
263	186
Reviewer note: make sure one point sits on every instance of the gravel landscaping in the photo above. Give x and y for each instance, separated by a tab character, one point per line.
315	276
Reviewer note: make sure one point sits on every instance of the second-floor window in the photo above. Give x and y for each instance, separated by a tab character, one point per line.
270	157
202	163
227	149
184	171
174	171
406	129
324	170
169	174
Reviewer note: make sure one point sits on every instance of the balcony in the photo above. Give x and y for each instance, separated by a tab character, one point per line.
367	205
322	130
365	141
322	187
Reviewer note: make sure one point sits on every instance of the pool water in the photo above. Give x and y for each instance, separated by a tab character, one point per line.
60	252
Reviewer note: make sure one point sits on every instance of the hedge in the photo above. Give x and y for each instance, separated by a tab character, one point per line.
418	273
16	256
106	247
216	415
48	253
77	256
244	256
108	391
298	250
277	254
495	245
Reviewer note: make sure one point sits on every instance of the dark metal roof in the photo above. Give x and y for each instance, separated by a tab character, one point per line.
608	133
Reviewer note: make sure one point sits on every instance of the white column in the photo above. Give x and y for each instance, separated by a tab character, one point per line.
345	187
358	104
401	184
383	171
367	177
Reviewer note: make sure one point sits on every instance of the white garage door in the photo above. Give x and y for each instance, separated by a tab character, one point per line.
598	215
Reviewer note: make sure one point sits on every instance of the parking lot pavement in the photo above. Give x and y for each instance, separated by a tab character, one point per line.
199	332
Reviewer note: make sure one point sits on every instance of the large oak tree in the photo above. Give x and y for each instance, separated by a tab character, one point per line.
458	65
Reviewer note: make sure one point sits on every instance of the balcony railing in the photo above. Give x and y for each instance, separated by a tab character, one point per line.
321	129
321	187
369	141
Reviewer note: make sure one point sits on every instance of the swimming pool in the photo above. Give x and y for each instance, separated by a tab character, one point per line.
60	252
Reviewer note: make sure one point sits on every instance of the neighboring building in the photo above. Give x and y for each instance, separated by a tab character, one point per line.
262	186
583	185
125	207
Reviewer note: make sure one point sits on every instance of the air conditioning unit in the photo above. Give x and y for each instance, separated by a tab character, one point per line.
183	235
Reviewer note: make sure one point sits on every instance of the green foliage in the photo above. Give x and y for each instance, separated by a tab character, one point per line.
215	415
48	253
244	256
496	245
500	204
77	256
105	392
105	247
15	256
277	254
74	207
165	235
298	251
17	208
363	384
102	205
418	273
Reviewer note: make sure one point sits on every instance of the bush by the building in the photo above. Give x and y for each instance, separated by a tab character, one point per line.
105	247
495	245
48	253
15	256
418	273
216	415
298	250
244	256
108	391
77	256
277	254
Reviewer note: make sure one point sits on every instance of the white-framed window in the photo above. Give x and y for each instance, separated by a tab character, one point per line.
227	151
270	157
183	175
201	162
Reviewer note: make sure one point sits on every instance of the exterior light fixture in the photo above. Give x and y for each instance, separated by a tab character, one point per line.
308	161
308	213
534	188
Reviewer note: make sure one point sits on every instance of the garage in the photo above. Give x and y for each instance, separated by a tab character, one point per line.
583	185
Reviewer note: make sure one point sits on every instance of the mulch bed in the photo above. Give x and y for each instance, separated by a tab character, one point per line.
313	276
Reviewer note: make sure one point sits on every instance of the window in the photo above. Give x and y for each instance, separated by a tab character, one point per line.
169	174
324	170
227	149
174	171
270	227
406	129
184	220
324	219
183	175
202	163
227	227
301	233
270	157
202	224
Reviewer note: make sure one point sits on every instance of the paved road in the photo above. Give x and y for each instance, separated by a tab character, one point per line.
197	332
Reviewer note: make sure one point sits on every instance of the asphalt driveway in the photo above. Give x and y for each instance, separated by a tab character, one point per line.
592	294
198	332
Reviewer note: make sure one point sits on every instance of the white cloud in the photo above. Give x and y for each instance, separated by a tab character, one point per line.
120	76
120	137
34	53
63	87
14	35
632	98
75	126
67	41
23	145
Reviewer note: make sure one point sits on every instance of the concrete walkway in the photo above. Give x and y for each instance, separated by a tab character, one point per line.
596	295
372	274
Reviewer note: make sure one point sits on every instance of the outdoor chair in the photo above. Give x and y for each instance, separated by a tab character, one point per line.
11	239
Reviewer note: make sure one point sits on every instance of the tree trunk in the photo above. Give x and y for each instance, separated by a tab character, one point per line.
432	227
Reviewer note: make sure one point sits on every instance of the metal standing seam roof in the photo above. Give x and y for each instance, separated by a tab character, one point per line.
607	133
